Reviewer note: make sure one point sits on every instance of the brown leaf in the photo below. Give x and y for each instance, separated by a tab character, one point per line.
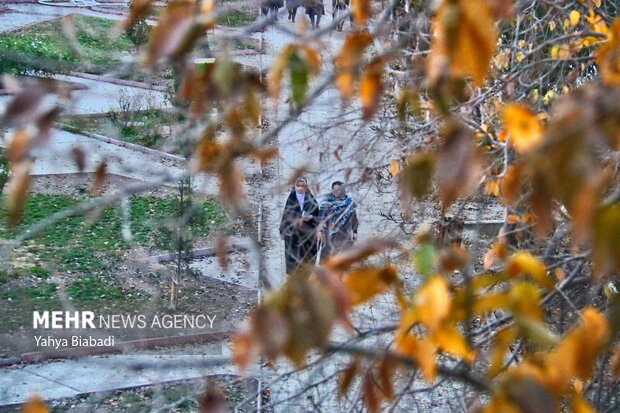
466	39
174	33
348	59
19	145
360	10
342	261
79	156
23	107
607	58
213	399
416	177
523	125
371	88
17	190
100	177
458	163
369	393
346	378
231	184
363	284
221	250
139	8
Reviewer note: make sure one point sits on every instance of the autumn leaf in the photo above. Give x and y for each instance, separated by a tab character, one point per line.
416	177
422	352
394	167
371	88
579	404
608	55
524	127
346	377
363	284
348	59
17	190
360	10
458	166
101	174
35	404
501	345
574	17
342	261
450	340
213	399
432	302
466	36
523	263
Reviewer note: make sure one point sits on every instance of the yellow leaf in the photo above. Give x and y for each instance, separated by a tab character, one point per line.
580	405
432	302
394	167
363	284
524	127
450	340
423	352
519	57
491	187
370	88
34	404
525	301
523	263
489	302
607	56
466	36
574	17
551	25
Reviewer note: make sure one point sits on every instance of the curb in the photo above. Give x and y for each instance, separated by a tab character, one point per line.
198	253
123	144
36	357
116	81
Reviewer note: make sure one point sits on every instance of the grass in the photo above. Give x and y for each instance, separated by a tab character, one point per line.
45	46
237	17
88	250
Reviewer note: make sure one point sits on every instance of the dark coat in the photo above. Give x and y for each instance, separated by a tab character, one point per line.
299	236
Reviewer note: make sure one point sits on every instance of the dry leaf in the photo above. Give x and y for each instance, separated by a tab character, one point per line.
35	404
17	190
360	10
100	177
213	399
524	127
370	88
363	284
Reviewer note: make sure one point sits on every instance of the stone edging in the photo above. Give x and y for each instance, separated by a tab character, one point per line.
121	347
115	81
122	144
199	253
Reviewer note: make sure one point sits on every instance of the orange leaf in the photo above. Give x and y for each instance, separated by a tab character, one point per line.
34	404
370	88
524	127
450	340
363	284
17	190
394	167
503	340
360	10
580	405
422	352
347	60
524	300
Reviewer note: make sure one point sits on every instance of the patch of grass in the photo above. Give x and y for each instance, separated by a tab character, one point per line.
18	303
236	17
45	46
92	245
91	288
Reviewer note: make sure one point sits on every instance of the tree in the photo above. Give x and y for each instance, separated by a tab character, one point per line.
511	101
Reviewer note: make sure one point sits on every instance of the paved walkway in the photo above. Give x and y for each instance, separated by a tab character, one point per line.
69	378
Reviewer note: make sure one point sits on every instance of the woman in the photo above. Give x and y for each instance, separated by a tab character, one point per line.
298	226
338	219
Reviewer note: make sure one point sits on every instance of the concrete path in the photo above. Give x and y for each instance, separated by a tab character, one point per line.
69	378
